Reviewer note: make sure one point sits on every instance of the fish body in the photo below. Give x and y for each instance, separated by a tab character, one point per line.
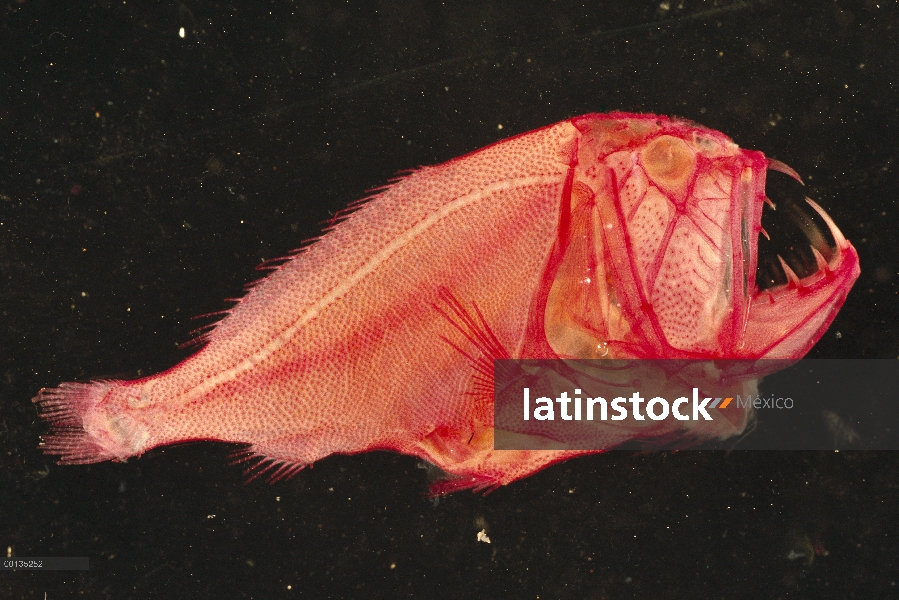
607	235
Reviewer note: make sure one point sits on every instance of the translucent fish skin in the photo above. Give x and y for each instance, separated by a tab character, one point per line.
615	234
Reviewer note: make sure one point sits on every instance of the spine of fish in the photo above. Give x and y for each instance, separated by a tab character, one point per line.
628	236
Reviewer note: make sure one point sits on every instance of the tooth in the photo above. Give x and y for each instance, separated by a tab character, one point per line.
770	203
776	165
819	258
834	231
791	276
764	233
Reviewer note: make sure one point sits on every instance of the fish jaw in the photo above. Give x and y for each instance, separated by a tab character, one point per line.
786	321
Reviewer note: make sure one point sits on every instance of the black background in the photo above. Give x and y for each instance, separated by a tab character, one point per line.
143	176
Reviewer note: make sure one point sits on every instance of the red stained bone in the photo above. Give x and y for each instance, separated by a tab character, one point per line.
614	235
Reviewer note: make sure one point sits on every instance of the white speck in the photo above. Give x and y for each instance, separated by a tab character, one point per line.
482	536
499	126
181	33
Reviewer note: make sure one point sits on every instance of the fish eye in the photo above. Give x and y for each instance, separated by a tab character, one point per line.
668	160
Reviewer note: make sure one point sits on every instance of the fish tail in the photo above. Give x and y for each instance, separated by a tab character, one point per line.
69	408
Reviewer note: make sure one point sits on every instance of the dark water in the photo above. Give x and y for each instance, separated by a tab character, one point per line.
144	175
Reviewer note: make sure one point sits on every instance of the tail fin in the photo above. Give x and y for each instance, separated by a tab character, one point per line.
65	408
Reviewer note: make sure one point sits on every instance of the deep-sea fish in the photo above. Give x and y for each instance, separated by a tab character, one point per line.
603	236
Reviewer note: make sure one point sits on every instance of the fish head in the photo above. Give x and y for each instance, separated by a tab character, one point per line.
659	251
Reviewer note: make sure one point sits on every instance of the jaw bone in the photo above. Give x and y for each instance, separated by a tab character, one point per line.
785	322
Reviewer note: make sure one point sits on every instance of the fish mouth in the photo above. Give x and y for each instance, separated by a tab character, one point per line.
790	307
